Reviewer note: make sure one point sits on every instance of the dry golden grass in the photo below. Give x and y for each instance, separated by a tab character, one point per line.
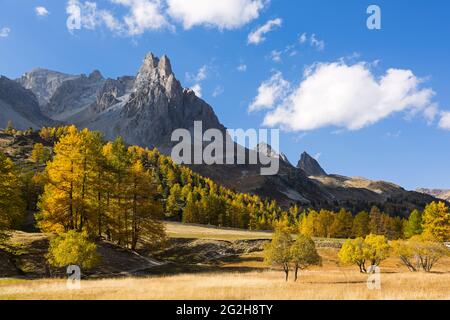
192	231
330	281
268	285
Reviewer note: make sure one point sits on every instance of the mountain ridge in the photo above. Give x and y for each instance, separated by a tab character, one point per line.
146	108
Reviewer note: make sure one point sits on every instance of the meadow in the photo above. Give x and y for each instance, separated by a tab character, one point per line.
330	281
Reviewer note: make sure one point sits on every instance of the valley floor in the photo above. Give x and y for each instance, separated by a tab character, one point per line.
267	285
189	274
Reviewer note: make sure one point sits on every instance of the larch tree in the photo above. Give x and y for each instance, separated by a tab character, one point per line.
12	205
342	225
361	225
436	221
375	221
413	225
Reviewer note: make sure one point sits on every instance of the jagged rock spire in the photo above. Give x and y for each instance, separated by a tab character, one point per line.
310	166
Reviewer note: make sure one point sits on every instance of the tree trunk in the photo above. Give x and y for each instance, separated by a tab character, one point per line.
296	273
286	271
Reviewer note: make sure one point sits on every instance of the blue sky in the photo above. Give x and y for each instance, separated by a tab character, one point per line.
405	139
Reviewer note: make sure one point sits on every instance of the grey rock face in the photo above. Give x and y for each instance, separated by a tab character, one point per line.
73	95
20	106
110	92
310	166
158	105
43	83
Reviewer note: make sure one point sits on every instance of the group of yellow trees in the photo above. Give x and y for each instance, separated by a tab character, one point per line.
423	244
107	189
103	189
420	246
12	205
343	225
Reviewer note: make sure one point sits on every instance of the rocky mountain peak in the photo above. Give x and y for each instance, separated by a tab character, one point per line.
43	83
96	76
310	165
267	150
164	66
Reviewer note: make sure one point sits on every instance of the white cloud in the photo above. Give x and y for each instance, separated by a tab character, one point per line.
275	56
242	68
317	156
41	11
229	14
303	38
257	36
313	41
431	112
219	90
142	15
316	43
201	75
4	32
270	92
197	88
348	96
444	123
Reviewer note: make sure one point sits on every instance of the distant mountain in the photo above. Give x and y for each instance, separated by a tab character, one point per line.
20	106
443	194
310	165
147	108
43	83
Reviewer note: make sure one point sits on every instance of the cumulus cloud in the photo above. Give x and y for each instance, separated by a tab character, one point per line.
142	15
444	123
4	32
41	11
148	15
345	96
270	93
229	14
257	36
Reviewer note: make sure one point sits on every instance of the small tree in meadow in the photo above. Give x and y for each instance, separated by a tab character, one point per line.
376	249
73	248
429	251
352	252
373	248
304	254
278	252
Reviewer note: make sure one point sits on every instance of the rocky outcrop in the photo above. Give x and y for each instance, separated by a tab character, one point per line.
20	106
111	91
310	166
157	106
43	83
73	95
443	194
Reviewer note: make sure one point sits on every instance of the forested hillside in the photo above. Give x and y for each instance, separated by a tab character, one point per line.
74	180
